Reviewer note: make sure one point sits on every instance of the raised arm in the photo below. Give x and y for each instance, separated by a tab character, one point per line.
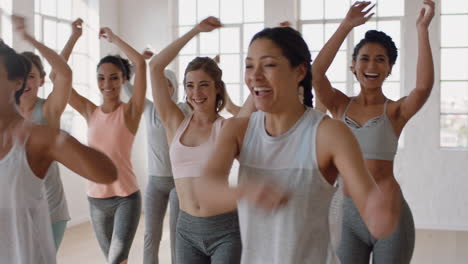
213	189
77	31
425	67
85	161
170	114
136	104
338	148
332	98
57	100
81	104
231	107
247	108
128	86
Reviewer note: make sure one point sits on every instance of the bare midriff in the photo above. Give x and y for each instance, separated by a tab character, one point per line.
382	172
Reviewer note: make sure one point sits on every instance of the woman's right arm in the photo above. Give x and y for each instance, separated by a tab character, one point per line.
81	104
85	161
170	114
213	189
338	149
332	98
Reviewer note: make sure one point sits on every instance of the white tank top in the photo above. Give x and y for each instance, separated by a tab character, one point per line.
299	232
25	226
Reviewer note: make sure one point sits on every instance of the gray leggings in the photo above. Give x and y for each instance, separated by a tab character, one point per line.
214	239
357	243
159	191
115	221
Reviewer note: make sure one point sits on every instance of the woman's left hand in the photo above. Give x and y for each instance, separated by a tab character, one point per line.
426	15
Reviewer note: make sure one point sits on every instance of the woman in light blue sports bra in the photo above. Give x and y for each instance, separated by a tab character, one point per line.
377	123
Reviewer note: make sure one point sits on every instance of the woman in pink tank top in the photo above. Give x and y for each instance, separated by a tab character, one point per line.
202	236
115	208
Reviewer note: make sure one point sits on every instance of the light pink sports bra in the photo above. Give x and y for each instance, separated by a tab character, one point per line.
189	161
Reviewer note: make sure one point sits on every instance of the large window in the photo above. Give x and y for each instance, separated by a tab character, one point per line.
241	20
52	26
319	19
454	74
5	22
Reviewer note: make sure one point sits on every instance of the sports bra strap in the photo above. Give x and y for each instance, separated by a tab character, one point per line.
347	107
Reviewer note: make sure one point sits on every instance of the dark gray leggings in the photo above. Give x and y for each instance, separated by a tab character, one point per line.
214	239
115	221
357	244
159	191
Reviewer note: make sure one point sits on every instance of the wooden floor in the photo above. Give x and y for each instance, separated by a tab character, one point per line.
80	246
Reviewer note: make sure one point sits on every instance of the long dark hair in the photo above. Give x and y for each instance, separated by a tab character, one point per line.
295	49
16	66
379	37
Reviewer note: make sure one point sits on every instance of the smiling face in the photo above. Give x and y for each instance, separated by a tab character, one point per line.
110	80
372	66
270	77
33	83
201	90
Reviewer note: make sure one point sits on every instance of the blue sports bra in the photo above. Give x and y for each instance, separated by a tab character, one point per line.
376	137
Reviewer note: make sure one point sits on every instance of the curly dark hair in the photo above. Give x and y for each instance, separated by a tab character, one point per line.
379	37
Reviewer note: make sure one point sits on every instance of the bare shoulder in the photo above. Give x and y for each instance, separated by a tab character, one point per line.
330	128
235	127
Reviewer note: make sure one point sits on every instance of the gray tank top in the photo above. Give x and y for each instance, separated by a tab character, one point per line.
53	183
299	232
25	227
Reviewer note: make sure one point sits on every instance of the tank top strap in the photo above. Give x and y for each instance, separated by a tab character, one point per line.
182	127
347	108
385	108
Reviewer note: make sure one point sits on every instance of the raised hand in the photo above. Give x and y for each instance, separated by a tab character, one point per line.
209	24
356	15
77	27
426	15
285	24
106	33
147	53
19	24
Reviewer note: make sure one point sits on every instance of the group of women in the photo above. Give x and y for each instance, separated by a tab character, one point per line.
290	155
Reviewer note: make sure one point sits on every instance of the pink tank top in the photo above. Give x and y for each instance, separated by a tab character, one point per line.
108	133
189	161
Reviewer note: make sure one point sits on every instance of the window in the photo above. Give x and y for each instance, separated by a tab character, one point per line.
6	29
52	26
454	74
241	20
319	19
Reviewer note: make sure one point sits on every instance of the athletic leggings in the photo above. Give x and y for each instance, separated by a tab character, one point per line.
159	191
357	244
215	239
115	221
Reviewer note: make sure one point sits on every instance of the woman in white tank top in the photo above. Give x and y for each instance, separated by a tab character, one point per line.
290	156
26	152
